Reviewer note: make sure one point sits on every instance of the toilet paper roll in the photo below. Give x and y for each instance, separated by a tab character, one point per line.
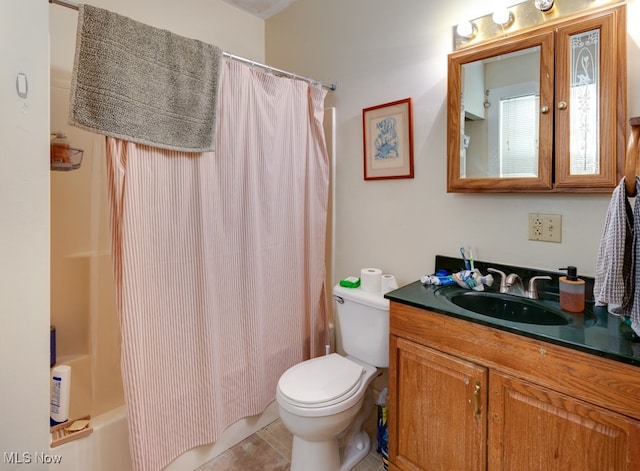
370	279
388	283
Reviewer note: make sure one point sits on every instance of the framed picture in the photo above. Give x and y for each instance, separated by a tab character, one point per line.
388	141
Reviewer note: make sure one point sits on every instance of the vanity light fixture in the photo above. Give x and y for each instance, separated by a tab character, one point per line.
510	19
502	17
465	29
543	5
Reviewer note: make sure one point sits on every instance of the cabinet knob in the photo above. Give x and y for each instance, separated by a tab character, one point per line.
562	105
544	109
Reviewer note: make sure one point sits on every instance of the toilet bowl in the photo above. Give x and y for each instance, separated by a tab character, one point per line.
319	413
323	401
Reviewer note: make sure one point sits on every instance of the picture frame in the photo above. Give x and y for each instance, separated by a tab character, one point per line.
388	140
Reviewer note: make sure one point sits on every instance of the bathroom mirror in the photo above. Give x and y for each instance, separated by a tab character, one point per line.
541	110
501	137
499	129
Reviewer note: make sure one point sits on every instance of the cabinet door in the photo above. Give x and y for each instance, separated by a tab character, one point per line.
532	428
437	406
590	105
511	148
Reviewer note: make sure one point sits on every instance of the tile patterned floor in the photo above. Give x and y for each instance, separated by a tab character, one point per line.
270	450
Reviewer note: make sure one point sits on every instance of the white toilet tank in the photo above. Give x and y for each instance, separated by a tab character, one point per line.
363	320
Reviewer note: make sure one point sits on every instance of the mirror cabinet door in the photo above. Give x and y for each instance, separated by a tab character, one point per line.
501	139
589	89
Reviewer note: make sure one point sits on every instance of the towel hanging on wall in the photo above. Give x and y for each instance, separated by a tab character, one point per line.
617	279
143	84
614	266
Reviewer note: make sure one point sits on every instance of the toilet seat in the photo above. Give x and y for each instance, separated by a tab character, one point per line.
321	382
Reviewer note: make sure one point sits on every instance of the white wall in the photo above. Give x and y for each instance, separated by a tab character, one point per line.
24	235
379	51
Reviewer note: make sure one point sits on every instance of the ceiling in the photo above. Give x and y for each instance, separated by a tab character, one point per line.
261	8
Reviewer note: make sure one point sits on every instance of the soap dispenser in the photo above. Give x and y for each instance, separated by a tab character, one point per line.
571	290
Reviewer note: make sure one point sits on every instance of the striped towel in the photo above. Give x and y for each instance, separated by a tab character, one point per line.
614	280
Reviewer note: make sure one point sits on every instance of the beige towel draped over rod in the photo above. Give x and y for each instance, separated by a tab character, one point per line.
330	86
632	160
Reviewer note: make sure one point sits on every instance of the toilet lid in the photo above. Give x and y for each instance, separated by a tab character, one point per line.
321	379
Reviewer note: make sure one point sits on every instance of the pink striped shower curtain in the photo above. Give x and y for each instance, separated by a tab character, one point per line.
219	263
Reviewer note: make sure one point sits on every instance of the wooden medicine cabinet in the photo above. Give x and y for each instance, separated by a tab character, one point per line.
543	110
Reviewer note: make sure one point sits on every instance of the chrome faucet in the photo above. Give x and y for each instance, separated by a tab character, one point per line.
512	284
532	292
503	279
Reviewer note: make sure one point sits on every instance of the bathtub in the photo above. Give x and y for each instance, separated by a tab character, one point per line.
107	448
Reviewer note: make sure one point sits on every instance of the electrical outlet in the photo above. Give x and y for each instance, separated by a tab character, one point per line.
535	226
545	227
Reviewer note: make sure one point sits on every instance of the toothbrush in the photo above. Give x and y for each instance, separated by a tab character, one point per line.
471	259
467	266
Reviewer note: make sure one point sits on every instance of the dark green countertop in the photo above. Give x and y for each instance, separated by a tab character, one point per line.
596	331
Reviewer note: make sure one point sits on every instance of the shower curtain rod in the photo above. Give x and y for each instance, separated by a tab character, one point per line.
330	86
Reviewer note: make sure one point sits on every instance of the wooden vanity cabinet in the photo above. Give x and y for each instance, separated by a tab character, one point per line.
464	396
435	400
533	428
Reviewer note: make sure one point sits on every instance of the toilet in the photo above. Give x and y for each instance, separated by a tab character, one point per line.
322	400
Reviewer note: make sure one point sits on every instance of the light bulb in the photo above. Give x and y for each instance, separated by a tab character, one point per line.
465	29
543	5
501	16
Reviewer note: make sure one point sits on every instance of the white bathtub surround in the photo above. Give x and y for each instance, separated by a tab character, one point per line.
107	448
219	264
